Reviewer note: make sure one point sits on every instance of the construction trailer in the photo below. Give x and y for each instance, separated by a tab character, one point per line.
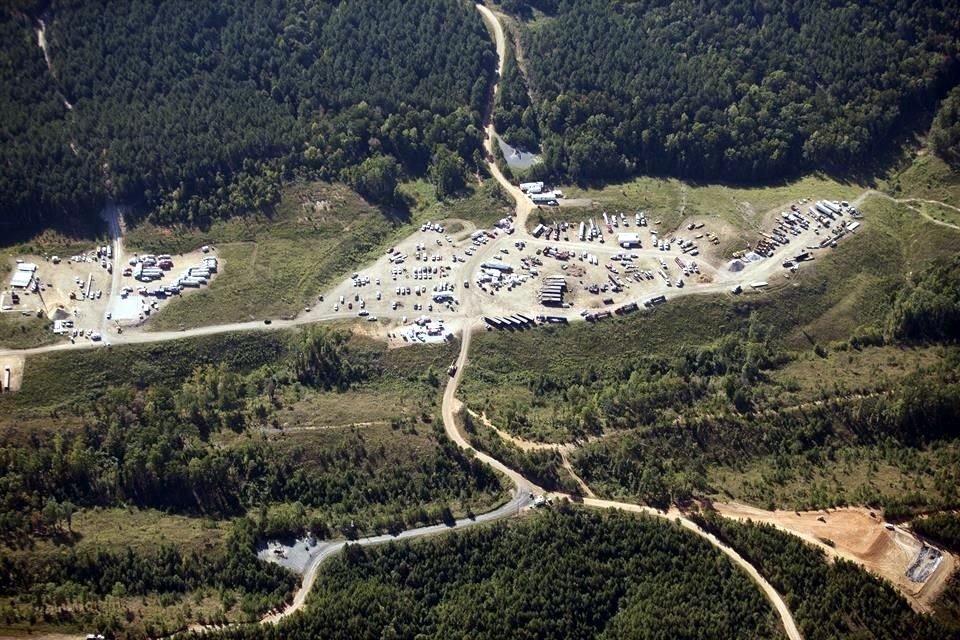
628	240
531	187
549	198
833	208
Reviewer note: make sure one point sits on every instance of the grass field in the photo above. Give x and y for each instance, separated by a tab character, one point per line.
809	377
60	382
940	212
926	177
671	200
274	266
405	385
141	530
854	475
481	204
20	332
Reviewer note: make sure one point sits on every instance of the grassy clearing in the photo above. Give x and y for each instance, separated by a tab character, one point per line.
481	204
334	410
856	475
809	377
406	385
672	200
273	266
941	213
21	332
62	380
140	530
926	177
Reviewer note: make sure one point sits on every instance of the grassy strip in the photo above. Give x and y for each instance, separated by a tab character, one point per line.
671	200
60	379
20	332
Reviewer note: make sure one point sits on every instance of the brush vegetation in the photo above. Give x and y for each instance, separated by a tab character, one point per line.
203	434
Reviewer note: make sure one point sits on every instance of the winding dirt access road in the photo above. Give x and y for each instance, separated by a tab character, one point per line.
909	203
524	204
451	406
523	487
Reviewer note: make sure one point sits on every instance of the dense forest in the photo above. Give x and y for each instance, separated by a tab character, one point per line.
198	110
927	309
731	90
945	132
941	528
513	115
42	180
828	600
566	574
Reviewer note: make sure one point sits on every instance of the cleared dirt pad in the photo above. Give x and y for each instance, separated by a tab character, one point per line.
861	536
15	363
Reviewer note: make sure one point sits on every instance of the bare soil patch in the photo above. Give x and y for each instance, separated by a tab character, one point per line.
861	536
15	364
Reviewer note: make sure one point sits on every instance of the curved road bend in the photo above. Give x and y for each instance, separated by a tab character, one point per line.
326	550
449	409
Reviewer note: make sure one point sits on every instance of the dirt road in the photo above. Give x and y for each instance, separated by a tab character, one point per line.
908	201
524	205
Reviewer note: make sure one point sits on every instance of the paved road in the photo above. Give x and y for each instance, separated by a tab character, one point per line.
520	500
